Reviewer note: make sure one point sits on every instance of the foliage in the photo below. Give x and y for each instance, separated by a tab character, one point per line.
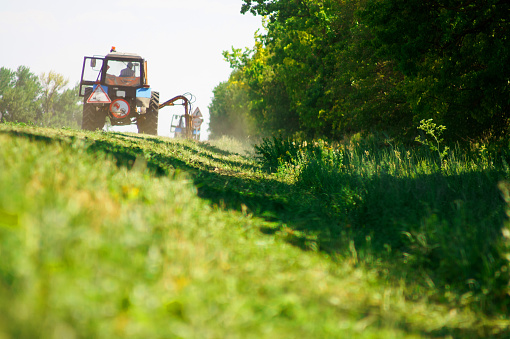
457	58
326	80
42	100
268	105
19	94
327	69
60	105
51	84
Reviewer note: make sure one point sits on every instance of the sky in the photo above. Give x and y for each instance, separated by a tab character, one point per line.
182	40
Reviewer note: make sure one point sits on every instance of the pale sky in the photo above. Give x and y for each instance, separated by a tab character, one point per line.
182	40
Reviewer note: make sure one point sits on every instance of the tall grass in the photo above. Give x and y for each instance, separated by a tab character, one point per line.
439	224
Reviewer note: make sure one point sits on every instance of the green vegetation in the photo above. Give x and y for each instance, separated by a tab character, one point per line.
109	235
436	222
40	100
328	68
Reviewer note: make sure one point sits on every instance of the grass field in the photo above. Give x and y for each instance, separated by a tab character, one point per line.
117	235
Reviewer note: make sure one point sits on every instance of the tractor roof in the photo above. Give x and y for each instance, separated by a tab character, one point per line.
123	55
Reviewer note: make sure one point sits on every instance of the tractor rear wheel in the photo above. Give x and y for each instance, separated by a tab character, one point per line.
148	123
93	116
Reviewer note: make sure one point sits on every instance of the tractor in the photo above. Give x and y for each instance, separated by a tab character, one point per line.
116	86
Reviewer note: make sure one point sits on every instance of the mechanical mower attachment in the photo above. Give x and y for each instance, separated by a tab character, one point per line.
116	86
186	125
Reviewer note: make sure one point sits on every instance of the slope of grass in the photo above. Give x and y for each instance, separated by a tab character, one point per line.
106	235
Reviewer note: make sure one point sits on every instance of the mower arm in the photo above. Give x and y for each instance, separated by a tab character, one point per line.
187	116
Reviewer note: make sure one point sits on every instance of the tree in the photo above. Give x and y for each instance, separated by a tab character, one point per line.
19	94
327	68
43	100
60	106
334	80
68	108
228	111
268	104
51	84
456	56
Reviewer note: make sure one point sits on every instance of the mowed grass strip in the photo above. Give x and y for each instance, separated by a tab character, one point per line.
92	247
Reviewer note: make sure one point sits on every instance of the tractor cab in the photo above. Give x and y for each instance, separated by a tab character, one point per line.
115	69
116	86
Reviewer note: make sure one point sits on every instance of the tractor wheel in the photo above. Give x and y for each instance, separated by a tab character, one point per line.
93	116
148	122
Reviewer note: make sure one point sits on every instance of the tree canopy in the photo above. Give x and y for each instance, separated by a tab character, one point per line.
43	100
19	94
329	68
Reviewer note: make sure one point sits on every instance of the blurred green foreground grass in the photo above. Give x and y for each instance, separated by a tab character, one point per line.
108	235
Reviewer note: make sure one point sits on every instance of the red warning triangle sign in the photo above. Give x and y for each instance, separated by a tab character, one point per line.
99	96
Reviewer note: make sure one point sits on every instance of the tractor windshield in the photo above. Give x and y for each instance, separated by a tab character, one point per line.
123	73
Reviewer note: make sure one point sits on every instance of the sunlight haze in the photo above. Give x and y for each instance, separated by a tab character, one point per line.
182	41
